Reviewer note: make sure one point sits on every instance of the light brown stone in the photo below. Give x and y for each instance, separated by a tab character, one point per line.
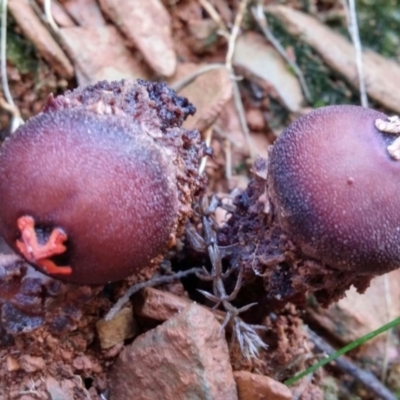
99	54
59	391
123	326
184	358
259	387
12	364
147	24
261	60
160	306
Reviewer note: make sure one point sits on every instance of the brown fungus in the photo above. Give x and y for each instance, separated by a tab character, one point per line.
99	185
321	214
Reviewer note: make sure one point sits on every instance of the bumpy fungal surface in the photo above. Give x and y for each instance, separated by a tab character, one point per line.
340	205
321	214
98	185
334	187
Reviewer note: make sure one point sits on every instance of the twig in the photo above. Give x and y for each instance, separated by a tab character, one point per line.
249	341
16	119
231	37
365	377
178	86
215	16
228	62
235	33
227	146
158	280
351	14
49	16
208	137
388	303
259	16
242	117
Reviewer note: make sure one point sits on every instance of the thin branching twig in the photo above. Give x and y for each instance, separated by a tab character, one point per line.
245	334
178	86
228	62
158	280
259	16
232	38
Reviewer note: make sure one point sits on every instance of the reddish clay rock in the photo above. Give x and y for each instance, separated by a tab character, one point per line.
30	299
260	387
186	357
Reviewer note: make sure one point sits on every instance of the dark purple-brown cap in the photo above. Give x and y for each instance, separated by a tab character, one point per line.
334	189
97	186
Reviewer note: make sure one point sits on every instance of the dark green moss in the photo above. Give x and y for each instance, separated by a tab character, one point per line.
20	52
326	86
379	23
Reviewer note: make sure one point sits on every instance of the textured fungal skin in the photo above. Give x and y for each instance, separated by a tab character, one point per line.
109	167
334	189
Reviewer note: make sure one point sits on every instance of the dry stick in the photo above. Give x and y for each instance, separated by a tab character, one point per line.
208	137
178	86
259	16
49	16
235	33
228	62
228	142
368	379
209	8
249	341
242	117
388	303
10	106
351	15
158	280
215	16
228	157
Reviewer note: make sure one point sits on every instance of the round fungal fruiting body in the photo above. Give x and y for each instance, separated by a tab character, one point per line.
88	191
334	189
